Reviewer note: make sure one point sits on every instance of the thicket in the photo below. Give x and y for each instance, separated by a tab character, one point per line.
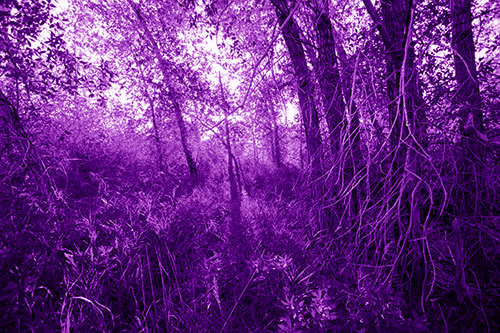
138	193
122	247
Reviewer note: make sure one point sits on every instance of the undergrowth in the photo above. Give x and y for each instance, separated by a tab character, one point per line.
148	252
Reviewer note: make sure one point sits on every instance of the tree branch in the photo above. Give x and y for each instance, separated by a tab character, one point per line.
378	22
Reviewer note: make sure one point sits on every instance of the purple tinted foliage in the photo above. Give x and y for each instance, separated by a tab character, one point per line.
251	166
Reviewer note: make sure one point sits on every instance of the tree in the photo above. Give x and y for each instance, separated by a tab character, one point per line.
156	130
471	190
305	86
305	90
273	130
329	76
339	107
403	179
468	101
171	92
236	227
27	82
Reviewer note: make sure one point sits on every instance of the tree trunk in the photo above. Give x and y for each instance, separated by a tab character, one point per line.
193	171
329	77
470	159
467	98
274	129
336	93
395	34
291	35
236	228
156	131
402	187
468	101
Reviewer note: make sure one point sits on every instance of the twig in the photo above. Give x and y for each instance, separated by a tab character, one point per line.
237	301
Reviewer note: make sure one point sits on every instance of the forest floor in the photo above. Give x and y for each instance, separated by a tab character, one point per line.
121	250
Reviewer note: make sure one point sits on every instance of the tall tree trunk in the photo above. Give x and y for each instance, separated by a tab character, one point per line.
329	77
396	36
172	94
193	171
402	86
467	98
469	103
291	34
156	131
470	159
235	201
339	107
236	228
403	186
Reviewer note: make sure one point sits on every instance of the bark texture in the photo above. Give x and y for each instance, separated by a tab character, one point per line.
471	154
467	98
402	164
329	77
468	102
291	35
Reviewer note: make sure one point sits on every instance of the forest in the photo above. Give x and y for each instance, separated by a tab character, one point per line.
249	165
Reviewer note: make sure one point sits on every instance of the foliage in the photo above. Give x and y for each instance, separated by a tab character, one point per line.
156	174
